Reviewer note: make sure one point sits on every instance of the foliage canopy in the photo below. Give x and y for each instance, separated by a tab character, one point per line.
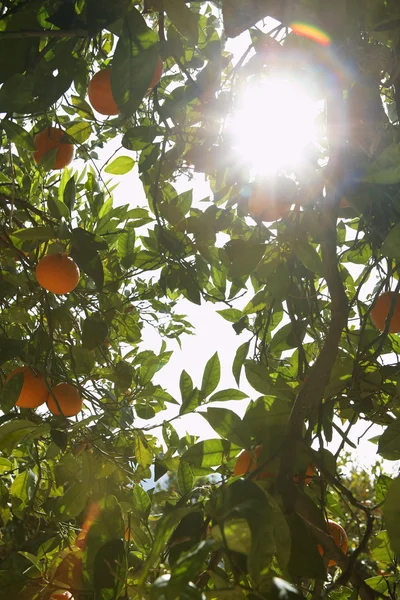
74	513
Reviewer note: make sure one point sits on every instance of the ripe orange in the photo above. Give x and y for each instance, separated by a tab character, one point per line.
128	534
100	93
50	138
245	464
340	537
61	595
157	74
381	310
34	389
270	201
306	477
57	273
68	398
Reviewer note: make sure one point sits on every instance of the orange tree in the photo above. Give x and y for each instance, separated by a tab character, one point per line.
75	517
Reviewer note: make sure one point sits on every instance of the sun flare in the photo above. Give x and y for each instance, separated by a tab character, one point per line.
274	126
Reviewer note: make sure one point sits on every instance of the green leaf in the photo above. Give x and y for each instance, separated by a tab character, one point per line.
34	234
144	455
137	138
386	168
84	361
57	209
120	165
211	376
84	252
73	501
391	512
380	548
228	425
10	348
110	566
308	255
185	478
23	486
246	260
391	244
79	131
240	357
135	59
14	431
389	442
126	248
16	93
183	18
141	500
227	395
10	392
257	376
231	314
94	332
186	386
69	195
165	528
18	135
305	560
210	453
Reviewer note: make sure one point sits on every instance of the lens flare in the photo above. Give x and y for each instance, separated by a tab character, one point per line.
311	32
274	126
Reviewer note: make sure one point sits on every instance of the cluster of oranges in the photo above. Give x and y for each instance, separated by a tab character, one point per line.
101	98
62	398
247	462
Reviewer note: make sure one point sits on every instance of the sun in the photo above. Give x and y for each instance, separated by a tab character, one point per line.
274	126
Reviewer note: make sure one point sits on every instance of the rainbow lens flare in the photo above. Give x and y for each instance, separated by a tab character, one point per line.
311	32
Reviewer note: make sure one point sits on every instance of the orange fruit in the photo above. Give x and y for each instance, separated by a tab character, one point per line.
51	138
100	93
306	477
381	310
34	389
270	201
128	534
157	74
245	464
339	535
57	273
68	398
61	595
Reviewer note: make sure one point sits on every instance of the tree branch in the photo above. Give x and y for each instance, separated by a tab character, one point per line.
306	404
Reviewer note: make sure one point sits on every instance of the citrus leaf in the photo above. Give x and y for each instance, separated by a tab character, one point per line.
94	332
228	425
211	376
120	165
18	135
183	18
391	512
185	478
10	392
227	395
240	357
210	453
